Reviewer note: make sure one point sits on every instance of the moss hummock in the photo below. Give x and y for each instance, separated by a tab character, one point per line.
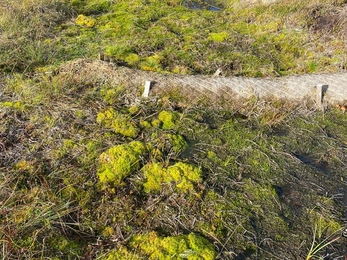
184	176
153	246
120	123
168	119
120	161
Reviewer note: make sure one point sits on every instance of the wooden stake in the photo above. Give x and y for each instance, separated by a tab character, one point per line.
101	56
147	88
319	95
218	72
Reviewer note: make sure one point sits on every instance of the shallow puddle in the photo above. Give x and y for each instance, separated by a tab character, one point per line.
205	4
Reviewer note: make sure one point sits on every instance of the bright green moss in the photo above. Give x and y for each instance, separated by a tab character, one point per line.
132	59
201	246
67	147
25	166
192	247
119	52
156	123
133	110
13	104
108	232
218	37
171	145
182	174
185	175
324	224
120	161
154	174
121	253
85	21
110	94
168	119
145	124
91	148
120	123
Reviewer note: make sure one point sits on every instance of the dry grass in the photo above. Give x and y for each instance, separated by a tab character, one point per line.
28	29
270	167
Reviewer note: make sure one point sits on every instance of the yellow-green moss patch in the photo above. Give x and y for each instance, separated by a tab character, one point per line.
120	123
168	119
184	176
120	254
17	105
120	161
190	246
85	21
218	37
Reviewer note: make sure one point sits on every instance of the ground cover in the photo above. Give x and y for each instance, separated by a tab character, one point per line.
241	38
90	170
251	179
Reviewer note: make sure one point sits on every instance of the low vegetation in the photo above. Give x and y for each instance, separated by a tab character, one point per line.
90	170
240	37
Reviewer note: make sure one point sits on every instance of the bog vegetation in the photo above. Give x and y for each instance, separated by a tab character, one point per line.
90	170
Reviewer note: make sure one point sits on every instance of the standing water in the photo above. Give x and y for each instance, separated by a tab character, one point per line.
204	4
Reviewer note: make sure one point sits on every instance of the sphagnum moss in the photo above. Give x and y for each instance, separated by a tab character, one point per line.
257	177
183	175
189	246
120	123
168	119
120	161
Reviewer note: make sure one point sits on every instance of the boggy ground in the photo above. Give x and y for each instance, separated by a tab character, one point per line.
90	170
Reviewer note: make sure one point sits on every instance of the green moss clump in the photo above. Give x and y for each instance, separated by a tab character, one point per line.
120	161
25	166
168	119
120	123
120	254
218	37
85	21
145	124
182	174
152	246
156	123
171	145
133	110
17	105
189	246
154	174
132	59
110	94
325	225
119	52
66	246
